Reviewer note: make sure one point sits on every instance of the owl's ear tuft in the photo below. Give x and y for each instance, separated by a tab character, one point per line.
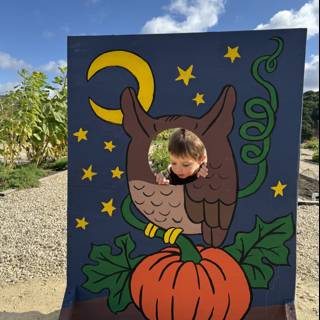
135	120
220	116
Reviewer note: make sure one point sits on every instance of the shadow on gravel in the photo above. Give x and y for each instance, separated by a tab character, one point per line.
31	315
307	186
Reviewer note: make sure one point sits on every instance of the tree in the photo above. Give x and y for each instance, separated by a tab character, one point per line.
34	118
310	115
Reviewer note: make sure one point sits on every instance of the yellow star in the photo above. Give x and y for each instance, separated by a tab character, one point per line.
232	53
199	98
81	134
81	223
88	173
109	145
185	75
116	173
278	189
108	207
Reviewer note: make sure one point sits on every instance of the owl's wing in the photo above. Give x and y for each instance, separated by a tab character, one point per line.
211	201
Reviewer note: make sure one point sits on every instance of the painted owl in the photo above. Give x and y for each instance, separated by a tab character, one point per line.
204	206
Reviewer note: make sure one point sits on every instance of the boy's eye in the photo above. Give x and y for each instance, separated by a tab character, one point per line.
186	165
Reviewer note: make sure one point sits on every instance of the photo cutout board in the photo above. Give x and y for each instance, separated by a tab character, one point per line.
221	246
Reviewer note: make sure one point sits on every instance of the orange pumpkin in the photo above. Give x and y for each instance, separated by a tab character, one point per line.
165	288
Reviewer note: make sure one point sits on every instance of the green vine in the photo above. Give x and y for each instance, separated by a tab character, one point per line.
263	121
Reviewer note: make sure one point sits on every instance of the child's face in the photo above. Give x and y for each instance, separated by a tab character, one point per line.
184	167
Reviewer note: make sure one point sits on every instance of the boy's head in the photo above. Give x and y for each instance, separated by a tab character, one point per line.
186	151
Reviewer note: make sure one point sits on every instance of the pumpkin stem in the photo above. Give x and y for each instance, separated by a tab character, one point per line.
188	250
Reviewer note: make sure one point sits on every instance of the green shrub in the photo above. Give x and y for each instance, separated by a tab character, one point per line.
33	119
159	156
164	135
22	177
310	114
58	165
312	144
158	153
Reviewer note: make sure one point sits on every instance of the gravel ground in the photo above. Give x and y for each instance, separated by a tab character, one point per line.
307	287
33	231
307	242
33	244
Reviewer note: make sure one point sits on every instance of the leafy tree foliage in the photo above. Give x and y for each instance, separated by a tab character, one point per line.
310	116
33	118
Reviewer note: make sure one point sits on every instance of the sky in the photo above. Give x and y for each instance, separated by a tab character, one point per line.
33	33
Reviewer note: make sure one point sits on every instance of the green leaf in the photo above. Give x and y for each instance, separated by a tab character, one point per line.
112	272
37	136
262	248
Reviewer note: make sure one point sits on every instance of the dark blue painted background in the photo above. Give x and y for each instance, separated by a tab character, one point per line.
164	53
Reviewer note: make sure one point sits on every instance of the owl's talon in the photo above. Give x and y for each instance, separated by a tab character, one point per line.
150	230
167	235
171	235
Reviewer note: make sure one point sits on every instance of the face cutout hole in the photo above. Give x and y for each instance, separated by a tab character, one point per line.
177	156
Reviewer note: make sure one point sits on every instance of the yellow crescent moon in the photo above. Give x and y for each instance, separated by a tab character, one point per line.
138	67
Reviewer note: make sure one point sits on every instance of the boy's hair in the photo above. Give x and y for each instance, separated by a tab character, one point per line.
184	143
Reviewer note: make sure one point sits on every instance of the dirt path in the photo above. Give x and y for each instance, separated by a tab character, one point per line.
308	167
36	299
